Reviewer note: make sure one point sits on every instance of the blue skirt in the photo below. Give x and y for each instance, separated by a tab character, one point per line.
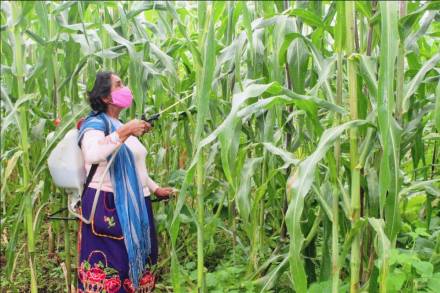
103	259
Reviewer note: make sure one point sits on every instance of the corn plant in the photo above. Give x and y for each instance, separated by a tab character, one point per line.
310	161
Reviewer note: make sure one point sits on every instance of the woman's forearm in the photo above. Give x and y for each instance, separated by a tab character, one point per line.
123	132
152	186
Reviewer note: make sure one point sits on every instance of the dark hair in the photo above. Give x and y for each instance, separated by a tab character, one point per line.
100	90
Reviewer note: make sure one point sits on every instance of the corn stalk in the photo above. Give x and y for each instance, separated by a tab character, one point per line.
19	61
355	258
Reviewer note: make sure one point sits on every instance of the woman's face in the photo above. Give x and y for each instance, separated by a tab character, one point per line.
116	84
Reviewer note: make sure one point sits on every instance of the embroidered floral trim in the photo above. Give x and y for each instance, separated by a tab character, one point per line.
110	221
99	278
128	286
104	235
146	284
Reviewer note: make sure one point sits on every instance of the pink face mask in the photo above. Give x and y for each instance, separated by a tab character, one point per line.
122	97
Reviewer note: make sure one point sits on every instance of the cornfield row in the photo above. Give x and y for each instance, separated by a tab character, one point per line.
311	162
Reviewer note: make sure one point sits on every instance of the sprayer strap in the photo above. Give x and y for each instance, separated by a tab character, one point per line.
90	177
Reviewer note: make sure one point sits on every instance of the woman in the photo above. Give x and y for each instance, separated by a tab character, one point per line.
120	243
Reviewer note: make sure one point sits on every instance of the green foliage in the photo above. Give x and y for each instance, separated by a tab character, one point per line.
408	273
312	156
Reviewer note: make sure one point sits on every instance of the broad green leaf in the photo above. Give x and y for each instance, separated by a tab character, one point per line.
437	108
8	170
120	40
307	17
325	74
383	251
368	71
373	192
303	178
268	281
322	194
389	180
288	158
422	185
317	57
166	60
424	268
242	196
13	110
410	41
412	19
297	59
418	79
298	187
204	90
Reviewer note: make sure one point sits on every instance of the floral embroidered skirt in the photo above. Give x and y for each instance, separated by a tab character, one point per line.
103	259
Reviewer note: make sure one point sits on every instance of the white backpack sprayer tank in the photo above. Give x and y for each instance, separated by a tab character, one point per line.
67	168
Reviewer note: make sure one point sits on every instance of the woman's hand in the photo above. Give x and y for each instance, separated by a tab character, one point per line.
164	191
134	127
138	127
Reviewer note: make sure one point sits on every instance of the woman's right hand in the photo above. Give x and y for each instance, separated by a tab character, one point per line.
138	127
134	127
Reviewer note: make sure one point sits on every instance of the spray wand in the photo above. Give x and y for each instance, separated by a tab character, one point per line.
156	116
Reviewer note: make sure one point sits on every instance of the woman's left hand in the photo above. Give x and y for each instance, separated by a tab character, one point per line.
164	191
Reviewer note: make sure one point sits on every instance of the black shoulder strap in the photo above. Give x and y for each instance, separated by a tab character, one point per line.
94	167
90	176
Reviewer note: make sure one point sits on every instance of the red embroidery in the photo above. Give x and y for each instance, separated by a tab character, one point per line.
82	273
112	285
102	278
98	278
128	286
146	284
95	275
147	279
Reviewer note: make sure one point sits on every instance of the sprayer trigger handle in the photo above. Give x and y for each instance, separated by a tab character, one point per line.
152	119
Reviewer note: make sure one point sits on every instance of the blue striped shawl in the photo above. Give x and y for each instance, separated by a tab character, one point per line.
129	199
